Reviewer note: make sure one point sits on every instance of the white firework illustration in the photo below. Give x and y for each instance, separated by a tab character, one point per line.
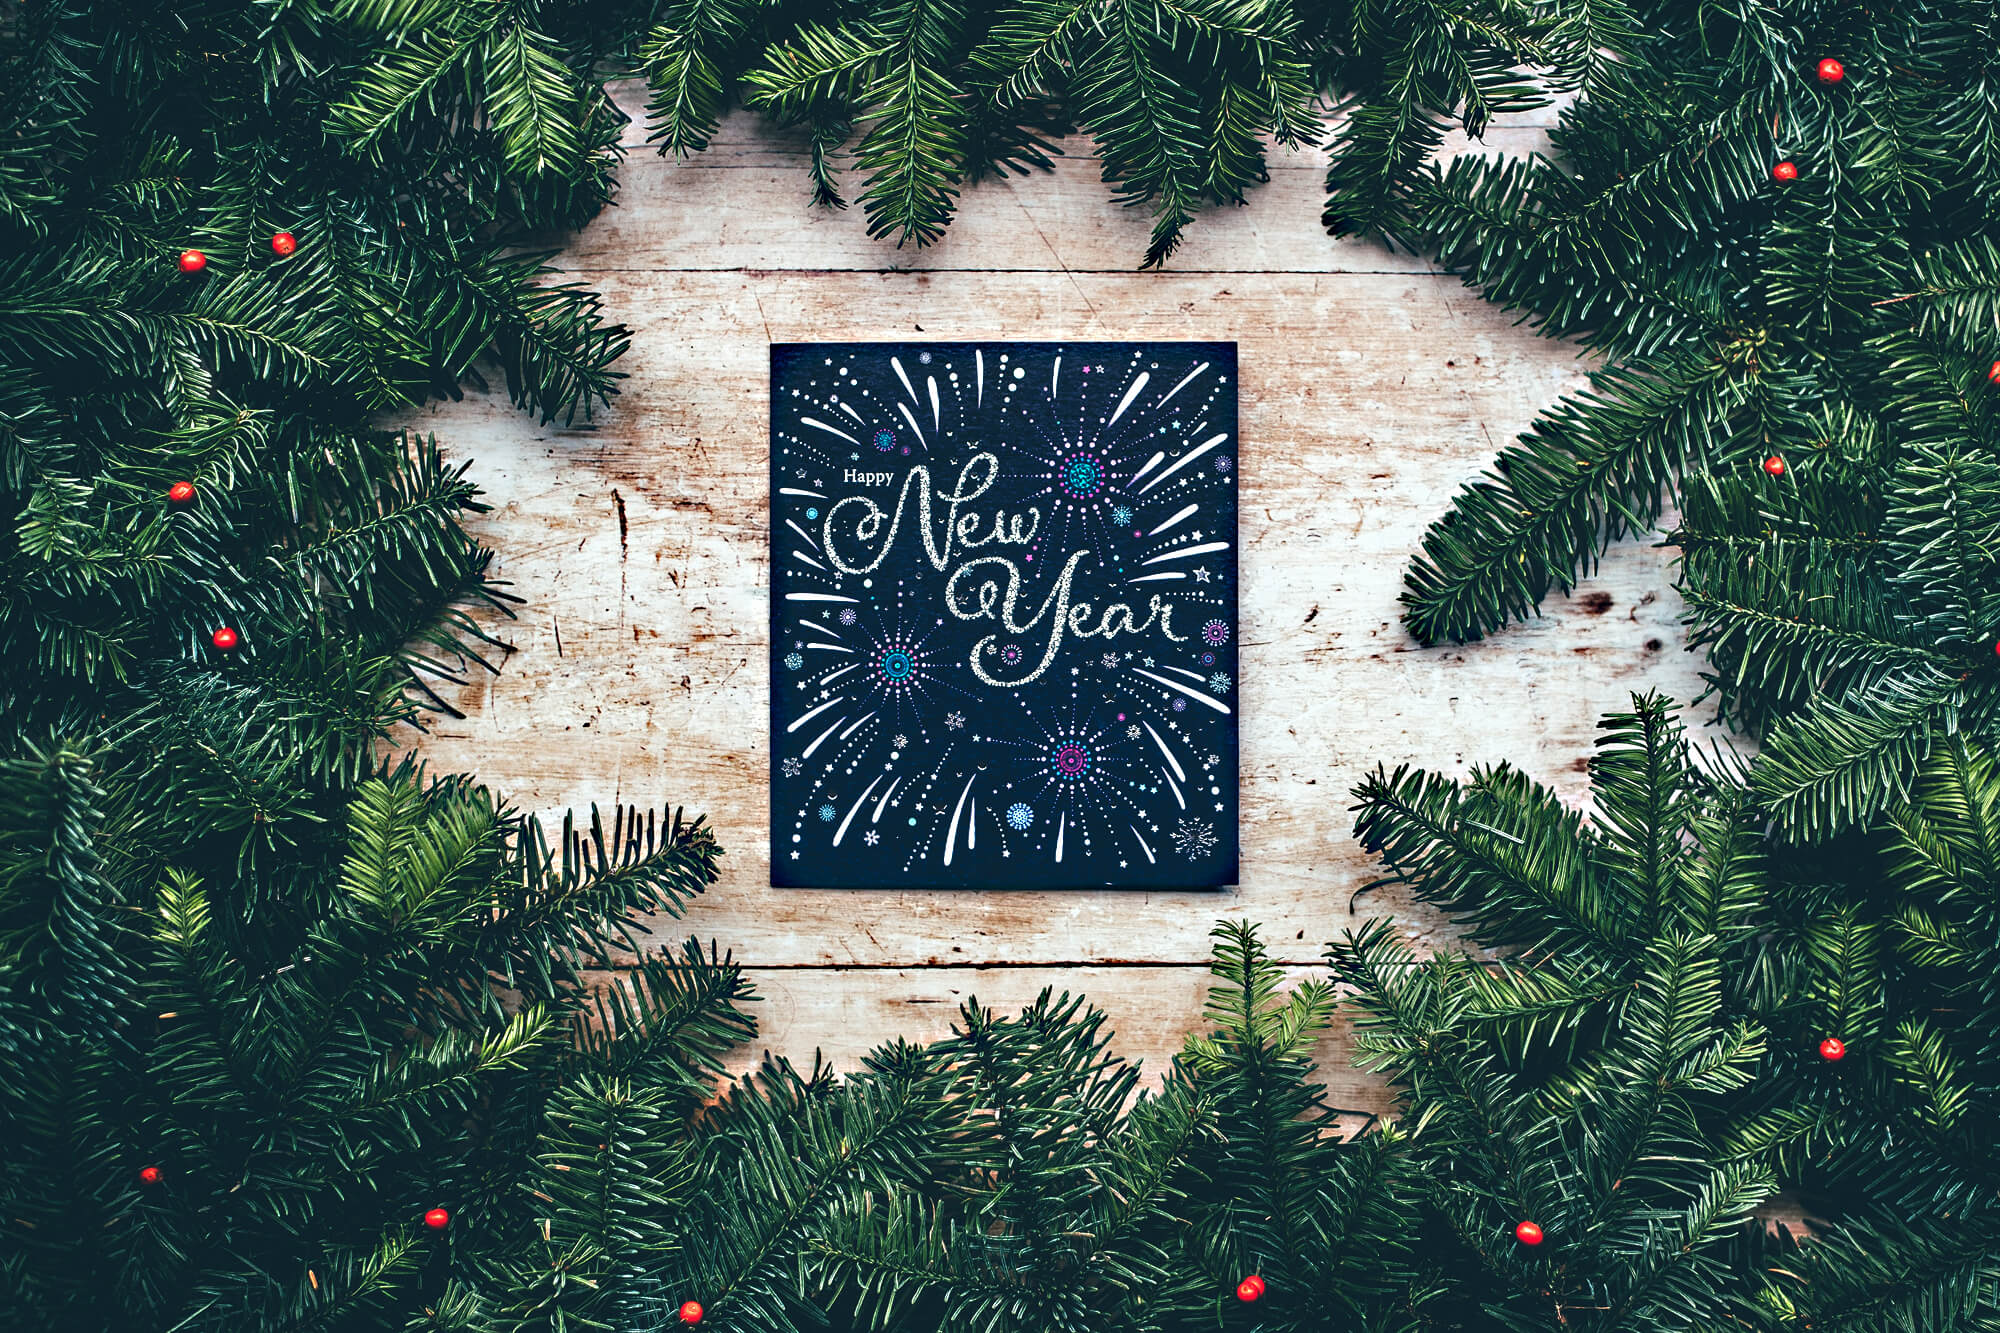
1194	839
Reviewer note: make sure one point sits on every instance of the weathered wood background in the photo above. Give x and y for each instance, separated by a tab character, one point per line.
1372	387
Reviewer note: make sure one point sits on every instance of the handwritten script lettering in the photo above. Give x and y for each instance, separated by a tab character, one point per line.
985	587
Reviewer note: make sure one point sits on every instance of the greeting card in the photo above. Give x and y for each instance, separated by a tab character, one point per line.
1003	615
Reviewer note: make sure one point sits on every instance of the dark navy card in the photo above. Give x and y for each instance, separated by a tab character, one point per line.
1003	615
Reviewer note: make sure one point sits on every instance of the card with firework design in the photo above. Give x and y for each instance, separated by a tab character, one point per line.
1003	615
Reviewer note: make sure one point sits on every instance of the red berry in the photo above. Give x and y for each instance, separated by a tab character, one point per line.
283	244
1833	1048
149	1175
690	1312
1996	648
193	261
1775	466
1994	373
224	638
1527	1233
181	492
437	1219
1250	1289
1831	70
1787	170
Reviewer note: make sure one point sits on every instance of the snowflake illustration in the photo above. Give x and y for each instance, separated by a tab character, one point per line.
954	720
1215	633
793	661
1133	731
827	814
1110	661
847	615
1019	816
1122	515
1194	839
1219	682
900	741
871	837
794	767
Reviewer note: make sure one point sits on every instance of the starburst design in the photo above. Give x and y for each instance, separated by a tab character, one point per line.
1219	683
1121	515
1194	838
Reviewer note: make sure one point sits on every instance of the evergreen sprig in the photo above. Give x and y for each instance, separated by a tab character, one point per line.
1634	1049
1181	97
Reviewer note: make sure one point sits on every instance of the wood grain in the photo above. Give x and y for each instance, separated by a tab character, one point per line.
1371	390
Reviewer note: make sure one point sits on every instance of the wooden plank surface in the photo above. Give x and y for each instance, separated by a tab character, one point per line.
744	204
1371	389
